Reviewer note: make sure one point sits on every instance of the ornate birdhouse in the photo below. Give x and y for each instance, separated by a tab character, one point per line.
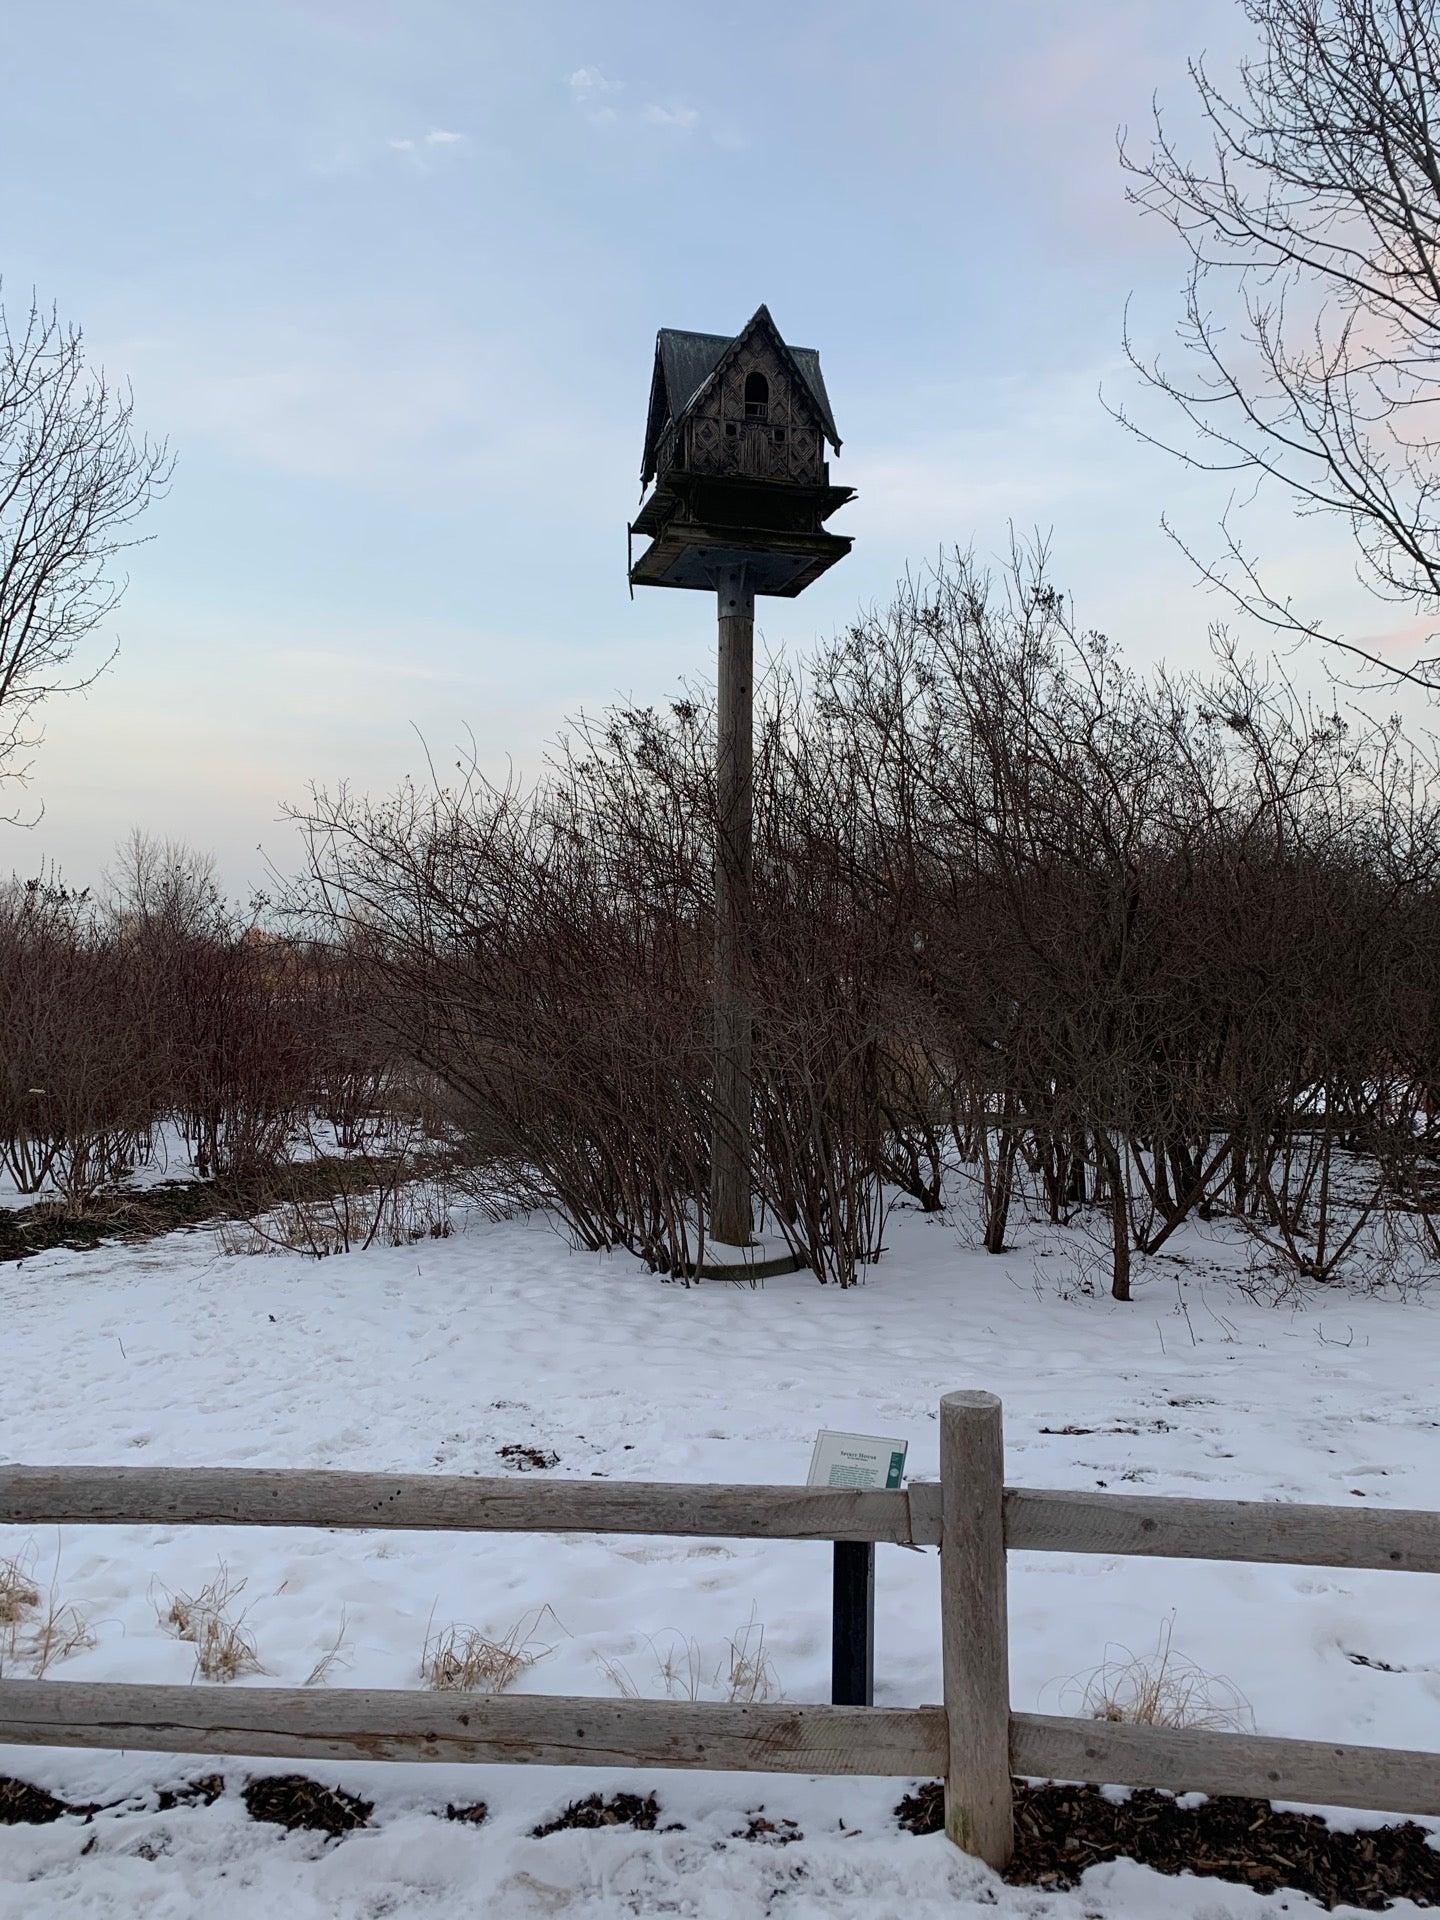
735	445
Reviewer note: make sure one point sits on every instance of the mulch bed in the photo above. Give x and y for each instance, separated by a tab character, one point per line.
608	1810
473	1814
22	1805
528	1459
293	1802
1060	1831
203	1792
775	1833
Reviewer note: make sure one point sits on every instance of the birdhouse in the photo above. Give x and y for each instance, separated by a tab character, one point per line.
735	447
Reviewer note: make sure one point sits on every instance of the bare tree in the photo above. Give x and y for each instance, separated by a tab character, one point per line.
1311	329
153	881
74	479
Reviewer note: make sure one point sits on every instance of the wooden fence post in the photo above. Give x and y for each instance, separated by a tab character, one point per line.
973	1627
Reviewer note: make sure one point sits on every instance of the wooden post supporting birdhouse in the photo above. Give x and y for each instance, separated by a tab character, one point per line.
735	446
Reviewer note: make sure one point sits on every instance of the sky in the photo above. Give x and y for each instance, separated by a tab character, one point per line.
387	275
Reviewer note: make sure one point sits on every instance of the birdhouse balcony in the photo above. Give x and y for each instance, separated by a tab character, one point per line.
700	522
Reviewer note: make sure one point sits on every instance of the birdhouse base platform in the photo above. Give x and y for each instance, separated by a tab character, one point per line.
685	554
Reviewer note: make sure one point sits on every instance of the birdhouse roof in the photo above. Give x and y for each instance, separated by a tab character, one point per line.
686	362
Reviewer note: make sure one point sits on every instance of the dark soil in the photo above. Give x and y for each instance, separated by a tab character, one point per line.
291	1801
1060	1831
614	1810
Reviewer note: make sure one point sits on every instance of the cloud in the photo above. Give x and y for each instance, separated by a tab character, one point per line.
592	91
683	118
588	88
585	83
421	151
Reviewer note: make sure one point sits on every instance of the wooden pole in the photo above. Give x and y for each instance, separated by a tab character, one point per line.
730	1219
973	1627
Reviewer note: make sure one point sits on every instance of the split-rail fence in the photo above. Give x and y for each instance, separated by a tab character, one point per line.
973	1740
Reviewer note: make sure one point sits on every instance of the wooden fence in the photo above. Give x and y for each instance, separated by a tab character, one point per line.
973	1740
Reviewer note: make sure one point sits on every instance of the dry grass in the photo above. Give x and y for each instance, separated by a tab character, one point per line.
224	1646
37	1632
60	1631
1161	1689
750	1676
461	1659
333	1655
18	1591
181	1613
742	1672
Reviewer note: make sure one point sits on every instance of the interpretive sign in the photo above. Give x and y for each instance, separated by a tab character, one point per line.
856	1460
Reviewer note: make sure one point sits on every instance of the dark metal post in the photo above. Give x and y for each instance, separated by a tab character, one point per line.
730	1219
852	1647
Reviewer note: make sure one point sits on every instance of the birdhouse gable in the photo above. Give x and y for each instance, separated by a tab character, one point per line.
748	403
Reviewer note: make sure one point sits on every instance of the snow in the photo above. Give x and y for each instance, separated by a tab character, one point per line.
433	1357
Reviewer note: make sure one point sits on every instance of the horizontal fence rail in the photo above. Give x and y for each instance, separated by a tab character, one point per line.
1278	1533
452	1503
974	1740
546	1729
1254	1765
1399	1540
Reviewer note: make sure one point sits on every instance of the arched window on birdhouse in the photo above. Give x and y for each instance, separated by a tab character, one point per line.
757	396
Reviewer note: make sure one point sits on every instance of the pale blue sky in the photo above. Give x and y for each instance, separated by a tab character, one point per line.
389	276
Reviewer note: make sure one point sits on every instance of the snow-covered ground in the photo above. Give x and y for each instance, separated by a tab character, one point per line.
436	1356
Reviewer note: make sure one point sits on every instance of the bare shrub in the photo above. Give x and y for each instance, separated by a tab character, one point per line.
155	1004
1098	947
541	955
1088	873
